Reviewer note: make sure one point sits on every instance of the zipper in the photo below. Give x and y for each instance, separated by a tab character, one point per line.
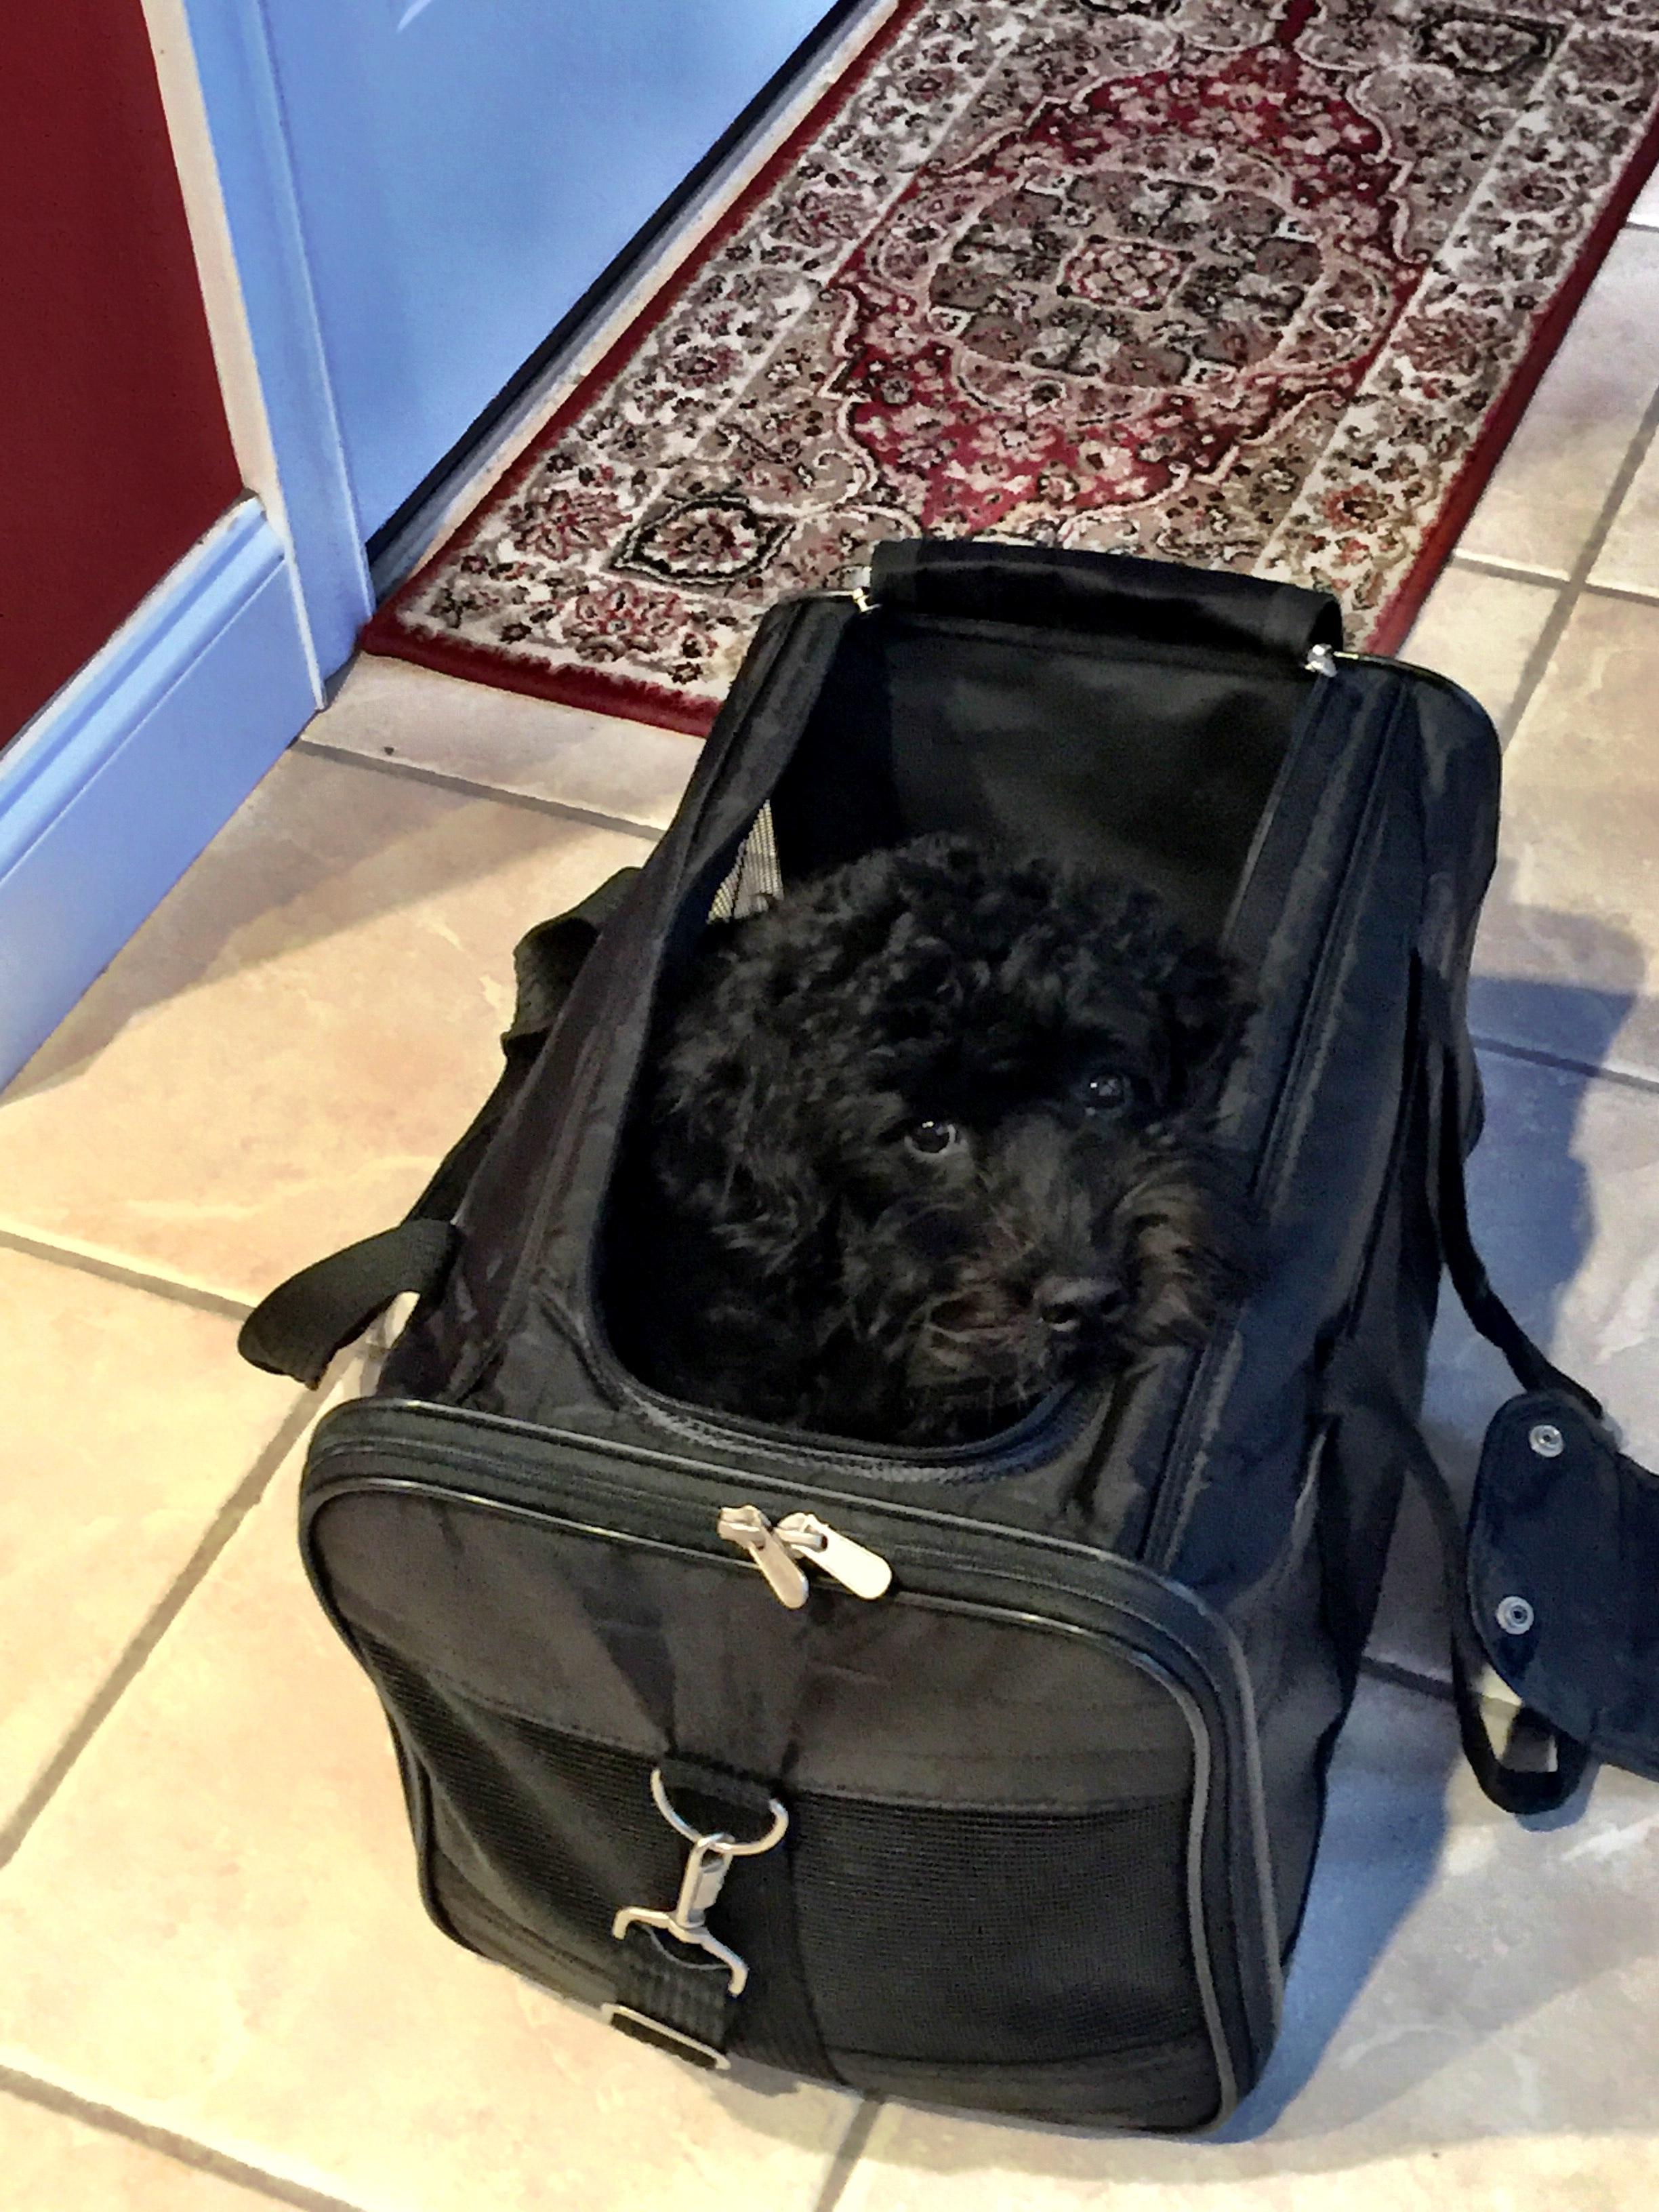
520	1468
778	1552
1168	1514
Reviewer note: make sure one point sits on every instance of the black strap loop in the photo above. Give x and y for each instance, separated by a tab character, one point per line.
300	1327
297	1329
1353	1379
661	1985
1512	1788
1531	1369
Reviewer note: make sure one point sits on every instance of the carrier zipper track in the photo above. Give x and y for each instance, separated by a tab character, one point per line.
525	1466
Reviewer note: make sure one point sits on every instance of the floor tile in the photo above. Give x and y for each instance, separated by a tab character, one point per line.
1628	558
1480	630
54	2164
275	1063
246	1964
393	710
130	1421
1570	930
1470	2023
1548	490
1564	1200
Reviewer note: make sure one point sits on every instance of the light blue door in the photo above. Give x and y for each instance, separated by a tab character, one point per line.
466	168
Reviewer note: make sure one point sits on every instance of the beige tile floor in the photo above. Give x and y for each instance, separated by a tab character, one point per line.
216	1988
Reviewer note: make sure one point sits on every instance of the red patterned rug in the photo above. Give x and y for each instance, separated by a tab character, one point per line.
1256	283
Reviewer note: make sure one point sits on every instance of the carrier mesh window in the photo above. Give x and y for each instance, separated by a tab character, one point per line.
995	1938
755	880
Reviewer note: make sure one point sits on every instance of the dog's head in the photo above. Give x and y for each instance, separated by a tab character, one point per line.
959	1107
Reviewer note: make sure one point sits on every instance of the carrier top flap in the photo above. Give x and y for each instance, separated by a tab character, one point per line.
1150	602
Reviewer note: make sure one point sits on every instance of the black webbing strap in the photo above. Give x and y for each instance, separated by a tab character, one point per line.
1463	1263
676	1996
1515	1790
297	1328
1357	1384
668	1997
300	1327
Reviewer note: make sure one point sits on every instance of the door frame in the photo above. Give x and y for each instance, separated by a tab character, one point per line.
187	707
309	499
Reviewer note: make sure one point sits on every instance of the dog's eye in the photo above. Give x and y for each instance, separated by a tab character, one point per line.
1105	1092
932	1138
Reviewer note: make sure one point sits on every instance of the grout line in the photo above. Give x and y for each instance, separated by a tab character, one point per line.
1512	572
849	2152
1560	614
1536	1056
130	1278
223	1526
589	817
1632	593
1407	1678
184	2150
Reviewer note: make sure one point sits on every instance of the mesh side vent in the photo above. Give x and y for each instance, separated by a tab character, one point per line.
755	880
984	1938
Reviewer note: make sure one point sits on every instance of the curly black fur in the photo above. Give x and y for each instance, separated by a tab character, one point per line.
925	1139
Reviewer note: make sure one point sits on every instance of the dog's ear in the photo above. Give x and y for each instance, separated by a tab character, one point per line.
1206	1010
733	1145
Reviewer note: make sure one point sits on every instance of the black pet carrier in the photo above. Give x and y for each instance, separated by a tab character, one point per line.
989	1776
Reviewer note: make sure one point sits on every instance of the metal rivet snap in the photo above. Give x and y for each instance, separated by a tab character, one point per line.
1514	1615
1547	1440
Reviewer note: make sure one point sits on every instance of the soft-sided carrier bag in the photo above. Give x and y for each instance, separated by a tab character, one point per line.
990	1775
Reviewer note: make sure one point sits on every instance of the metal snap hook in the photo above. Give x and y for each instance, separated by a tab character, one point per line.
705	1870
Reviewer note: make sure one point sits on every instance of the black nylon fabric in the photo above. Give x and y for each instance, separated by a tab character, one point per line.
1158	603
1574	1535
1045	1854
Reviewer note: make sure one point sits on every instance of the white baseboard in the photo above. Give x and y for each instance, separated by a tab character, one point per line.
114	788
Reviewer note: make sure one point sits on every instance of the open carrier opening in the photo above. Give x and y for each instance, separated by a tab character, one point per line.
1149	759
1147	751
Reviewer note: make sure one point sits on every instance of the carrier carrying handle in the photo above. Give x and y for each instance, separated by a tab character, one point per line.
300	1327
1156	603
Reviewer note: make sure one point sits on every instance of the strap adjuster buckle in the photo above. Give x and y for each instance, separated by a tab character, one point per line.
644	2029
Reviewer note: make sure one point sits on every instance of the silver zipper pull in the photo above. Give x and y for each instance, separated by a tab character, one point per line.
748	1528
855	1567
1320	661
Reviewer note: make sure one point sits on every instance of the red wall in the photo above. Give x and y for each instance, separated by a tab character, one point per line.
114	456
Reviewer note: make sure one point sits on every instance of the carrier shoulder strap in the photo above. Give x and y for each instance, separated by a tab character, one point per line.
1515	1790
300	1327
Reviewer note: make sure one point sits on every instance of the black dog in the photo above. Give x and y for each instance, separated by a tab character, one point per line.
924	1139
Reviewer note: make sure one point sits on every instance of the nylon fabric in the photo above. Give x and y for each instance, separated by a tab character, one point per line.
1158	602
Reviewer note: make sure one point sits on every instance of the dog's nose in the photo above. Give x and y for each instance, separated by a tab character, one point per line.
1064	1303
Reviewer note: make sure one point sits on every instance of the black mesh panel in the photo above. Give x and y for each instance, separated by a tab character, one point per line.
992	1938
